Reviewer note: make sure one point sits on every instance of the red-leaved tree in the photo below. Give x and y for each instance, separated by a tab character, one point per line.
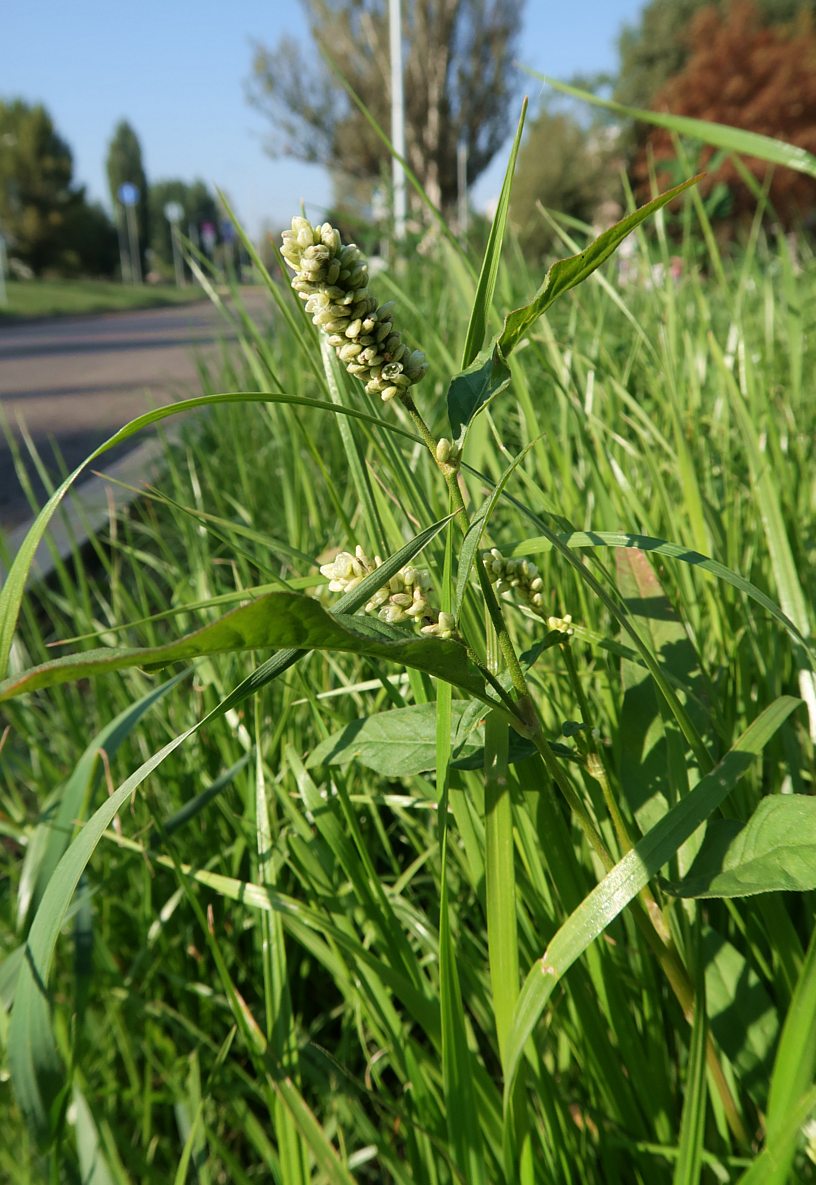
760	79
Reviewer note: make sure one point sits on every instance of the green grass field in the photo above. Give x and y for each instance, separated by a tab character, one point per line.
324	916
52	298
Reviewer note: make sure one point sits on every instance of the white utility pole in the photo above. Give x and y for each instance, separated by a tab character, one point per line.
462	186
397	116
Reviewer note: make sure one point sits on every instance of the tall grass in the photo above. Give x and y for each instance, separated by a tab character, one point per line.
294	960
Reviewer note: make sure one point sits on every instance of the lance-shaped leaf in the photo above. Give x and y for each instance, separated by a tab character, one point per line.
567	273
472	389
281	619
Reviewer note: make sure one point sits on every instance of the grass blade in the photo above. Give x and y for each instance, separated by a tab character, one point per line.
477	327
720	135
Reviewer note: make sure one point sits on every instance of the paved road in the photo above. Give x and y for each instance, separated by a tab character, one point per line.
73	381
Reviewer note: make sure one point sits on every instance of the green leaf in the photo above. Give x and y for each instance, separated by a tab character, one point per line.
632	873
720	135
490	264
327	1159
772	852
567	273
458	1060
282	619
93	1164
471	390
402	741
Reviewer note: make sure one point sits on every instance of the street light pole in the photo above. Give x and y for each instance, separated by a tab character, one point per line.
397	117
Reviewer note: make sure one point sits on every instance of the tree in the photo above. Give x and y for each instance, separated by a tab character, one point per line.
36	168
770	88
198	204
563	166
90	240
457	68
46	219
658	47
124	164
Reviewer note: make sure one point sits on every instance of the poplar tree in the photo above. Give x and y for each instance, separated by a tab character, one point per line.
459	87
124	164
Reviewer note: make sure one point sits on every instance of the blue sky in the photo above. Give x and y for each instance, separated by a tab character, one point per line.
177	70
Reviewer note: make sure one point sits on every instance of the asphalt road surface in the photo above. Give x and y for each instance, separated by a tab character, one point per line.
73	381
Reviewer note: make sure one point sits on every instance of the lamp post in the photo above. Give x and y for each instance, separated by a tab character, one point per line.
129	195
174	212
397	117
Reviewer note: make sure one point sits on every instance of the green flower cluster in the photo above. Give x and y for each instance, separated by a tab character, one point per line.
402	599
332	278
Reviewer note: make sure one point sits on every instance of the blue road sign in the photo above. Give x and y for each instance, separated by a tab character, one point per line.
128	193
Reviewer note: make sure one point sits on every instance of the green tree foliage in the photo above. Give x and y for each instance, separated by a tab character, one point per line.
36	168
565	167
91	246
46	219
458	86
124	163
770	88
658	47
199	206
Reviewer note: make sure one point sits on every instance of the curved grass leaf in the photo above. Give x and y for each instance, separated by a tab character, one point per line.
632	873
772	852
580	539
11	593
488	375
720	135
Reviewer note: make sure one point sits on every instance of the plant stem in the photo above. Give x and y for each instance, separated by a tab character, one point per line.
450	473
